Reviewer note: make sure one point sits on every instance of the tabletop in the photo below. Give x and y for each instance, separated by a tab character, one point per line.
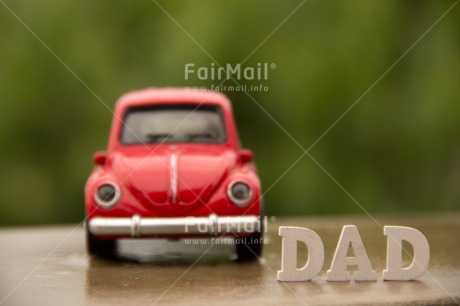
49	266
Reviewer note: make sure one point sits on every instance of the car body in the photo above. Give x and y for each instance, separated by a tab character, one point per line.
173	169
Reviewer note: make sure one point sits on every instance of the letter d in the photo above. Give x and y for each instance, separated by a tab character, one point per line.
395	271
289	271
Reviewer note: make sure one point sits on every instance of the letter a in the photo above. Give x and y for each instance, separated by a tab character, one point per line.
338	271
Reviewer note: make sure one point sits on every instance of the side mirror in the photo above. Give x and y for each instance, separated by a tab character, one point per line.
100	158
246	156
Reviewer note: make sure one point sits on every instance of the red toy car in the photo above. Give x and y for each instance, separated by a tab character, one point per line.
173	169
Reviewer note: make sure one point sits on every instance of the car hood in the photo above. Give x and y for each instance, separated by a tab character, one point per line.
173	177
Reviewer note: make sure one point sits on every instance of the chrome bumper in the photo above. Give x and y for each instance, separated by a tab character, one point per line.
136	226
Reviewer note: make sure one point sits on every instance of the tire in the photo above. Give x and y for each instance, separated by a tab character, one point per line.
250	248
99	247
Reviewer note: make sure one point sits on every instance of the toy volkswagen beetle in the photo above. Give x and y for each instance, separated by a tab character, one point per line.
173	169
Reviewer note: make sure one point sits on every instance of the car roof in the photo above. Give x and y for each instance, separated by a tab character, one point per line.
172	95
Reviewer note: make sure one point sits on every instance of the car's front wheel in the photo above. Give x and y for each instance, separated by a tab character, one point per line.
249	248
99	247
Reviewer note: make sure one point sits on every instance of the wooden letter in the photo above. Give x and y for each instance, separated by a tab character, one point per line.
338	271
289	271
395	271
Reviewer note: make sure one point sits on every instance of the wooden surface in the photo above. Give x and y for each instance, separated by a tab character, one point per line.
49	266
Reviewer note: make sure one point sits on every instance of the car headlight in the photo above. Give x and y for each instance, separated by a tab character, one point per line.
107	195
240	193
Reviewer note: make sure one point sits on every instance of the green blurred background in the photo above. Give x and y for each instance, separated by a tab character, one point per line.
397	151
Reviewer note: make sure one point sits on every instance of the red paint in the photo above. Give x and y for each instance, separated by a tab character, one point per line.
143	171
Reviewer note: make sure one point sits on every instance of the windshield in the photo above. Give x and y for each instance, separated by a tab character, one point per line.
169	124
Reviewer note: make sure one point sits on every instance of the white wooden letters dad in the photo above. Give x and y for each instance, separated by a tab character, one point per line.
350	238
